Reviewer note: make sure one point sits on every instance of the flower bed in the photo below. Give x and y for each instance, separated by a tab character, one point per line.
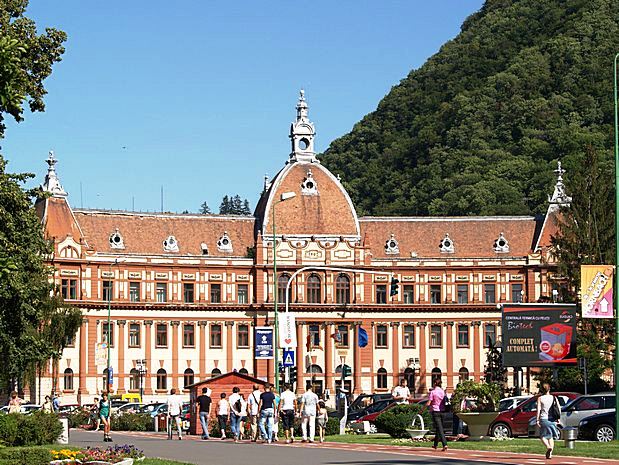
118	455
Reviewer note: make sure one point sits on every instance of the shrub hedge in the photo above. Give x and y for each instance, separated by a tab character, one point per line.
396	420
25	456
132	422
29	430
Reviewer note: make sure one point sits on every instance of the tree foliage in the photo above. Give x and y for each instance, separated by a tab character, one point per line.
477	130
26	59
233	205
205	209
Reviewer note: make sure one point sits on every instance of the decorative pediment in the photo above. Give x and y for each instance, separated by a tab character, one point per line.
501	245
170	244
224	244
309	186
447	245
116	240
391	246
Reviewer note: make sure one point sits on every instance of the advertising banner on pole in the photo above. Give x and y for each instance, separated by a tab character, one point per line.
287	330
541	335
596	290
101	354
263	347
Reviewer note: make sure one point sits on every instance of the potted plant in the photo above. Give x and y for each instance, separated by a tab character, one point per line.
476	405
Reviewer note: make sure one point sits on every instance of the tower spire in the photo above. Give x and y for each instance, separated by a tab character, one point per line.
302	133
559	197
52	183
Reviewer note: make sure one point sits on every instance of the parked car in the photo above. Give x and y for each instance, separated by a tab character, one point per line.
68	408
599	427
26	409
511	402
155	409
362	403
370	412
515	422
131	407
578	409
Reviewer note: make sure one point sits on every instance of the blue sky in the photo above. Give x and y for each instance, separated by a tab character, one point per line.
198	96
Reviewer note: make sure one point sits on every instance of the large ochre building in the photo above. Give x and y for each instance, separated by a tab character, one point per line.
186	291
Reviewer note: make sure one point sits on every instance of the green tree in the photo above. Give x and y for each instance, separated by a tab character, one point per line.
204	209
225	206
234	205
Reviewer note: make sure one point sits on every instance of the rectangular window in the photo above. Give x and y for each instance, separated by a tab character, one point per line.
490	293
314	335
436	336
463	335
408	294
463	293
215	335
381	294
134	291
216	293
381	336
242	292
517	293
189	335
161	339
435	293
108	290
489	335
69	341
343	335
134	335
104	333
162	292
69	289
408	335
242	336
188	289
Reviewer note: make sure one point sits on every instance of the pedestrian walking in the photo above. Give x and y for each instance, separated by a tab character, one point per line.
266	407
15	403
276	416
436	404
321	419
203	408
105	411
175	407
223	412
309	401
56	402
286	410
401	394
254	413
548	412
47	405
243	423
236	407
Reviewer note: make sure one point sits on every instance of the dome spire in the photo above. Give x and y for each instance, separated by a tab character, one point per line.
559	196
52	183
302	133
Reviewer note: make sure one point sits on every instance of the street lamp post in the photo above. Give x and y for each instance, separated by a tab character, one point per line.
109	327
285	196
616	245
141	365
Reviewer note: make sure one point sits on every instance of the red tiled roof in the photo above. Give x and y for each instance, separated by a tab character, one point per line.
144	233
472	236
58	219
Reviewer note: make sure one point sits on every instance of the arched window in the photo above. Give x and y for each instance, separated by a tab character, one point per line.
215	372
436	375
313	289
463	374
409	376
342	289
381	379
134	380
68	379
243	371
314	369
162	380
282	282
188	377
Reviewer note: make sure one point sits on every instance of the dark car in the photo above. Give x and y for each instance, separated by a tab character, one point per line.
364	402
600	427
370	412
515	422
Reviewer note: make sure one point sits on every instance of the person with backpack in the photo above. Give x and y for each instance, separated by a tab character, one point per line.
437	403
236	408
548	413
254	413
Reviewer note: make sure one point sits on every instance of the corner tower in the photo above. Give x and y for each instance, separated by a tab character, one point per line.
302	133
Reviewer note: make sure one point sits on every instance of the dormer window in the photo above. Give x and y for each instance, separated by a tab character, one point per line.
224	244
391	246
447	245
204	248
116	240
501	245
308	186
170	244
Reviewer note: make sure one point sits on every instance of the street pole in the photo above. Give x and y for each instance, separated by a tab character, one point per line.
109	328
276	332
616	247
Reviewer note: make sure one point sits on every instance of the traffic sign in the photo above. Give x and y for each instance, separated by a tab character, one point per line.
288	358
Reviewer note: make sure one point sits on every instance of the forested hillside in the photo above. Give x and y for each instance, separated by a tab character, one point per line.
477	130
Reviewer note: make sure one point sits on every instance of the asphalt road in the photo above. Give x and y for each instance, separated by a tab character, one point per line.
217	452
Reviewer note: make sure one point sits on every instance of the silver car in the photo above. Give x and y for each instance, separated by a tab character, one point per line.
511	402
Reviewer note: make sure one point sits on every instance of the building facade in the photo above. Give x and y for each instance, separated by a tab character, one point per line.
186	291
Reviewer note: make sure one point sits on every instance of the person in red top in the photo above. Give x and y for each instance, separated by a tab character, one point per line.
436	405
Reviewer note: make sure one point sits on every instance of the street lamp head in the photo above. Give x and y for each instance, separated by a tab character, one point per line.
287	195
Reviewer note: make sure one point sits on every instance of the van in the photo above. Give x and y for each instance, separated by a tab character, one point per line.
130	397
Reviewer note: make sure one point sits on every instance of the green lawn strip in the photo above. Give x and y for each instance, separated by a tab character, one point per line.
162	462
527	446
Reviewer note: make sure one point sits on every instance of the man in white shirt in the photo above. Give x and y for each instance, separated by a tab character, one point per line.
236	406
175	407
309	401
253	401
287	407
401	393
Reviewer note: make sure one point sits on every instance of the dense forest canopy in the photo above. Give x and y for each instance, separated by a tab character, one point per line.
478	129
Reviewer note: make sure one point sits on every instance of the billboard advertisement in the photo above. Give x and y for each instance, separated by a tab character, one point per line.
596	290
541	335
263	347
